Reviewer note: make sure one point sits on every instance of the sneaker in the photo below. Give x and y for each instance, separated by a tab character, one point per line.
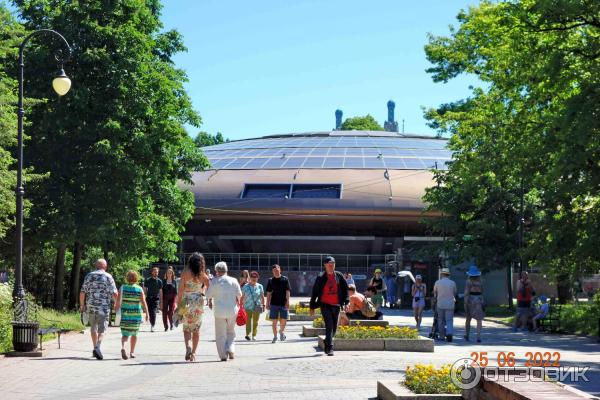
171	327
330	353
152	329
123	354
247	337
166	329
231	355
274	339
254	338
448	338
98	354
282	336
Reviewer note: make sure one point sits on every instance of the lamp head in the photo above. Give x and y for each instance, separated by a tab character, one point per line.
61	83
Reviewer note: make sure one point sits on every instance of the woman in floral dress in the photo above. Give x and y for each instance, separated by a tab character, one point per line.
192	287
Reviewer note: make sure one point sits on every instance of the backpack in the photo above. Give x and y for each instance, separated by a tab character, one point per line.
368	309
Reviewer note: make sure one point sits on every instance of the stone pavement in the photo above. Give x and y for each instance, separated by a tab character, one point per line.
294	369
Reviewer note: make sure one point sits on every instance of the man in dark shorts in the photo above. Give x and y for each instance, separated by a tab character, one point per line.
278	301
153	286
330	293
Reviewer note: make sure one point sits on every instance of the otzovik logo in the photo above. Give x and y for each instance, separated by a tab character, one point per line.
465	373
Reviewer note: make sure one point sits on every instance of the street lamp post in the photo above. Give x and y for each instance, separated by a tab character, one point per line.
61	85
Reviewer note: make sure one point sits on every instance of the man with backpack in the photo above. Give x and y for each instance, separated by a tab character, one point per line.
525	294
361	307
330	293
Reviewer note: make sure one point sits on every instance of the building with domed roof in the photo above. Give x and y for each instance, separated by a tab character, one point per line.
294	198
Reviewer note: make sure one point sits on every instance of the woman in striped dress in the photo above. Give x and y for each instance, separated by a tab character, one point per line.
131	301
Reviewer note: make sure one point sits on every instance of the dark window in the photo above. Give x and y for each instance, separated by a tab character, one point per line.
333	191
266	191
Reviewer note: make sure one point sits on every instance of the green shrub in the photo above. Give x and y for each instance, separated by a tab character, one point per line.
5	318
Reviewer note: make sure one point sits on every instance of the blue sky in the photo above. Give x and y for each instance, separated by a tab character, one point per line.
266	67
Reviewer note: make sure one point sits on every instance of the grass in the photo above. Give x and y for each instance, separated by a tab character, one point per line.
69	320
575	318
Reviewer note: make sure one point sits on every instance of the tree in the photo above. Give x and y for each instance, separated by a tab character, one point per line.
10	34
532	131
366	123
115	147
204	139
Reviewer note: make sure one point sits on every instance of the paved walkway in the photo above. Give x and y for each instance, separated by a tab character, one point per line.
294	369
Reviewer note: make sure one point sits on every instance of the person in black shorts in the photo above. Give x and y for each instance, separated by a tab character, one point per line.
278	301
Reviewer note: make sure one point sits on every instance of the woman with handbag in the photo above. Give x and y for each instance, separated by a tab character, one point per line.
253	299
419	290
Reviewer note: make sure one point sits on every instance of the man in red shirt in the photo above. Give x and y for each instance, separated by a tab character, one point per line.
330	293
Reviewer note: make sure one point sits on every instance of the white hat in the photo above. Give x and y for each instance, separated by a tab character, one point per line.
445	271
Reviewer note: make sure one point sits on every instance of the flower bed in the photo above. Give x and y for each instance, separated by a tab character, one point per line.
427	379
318	323
298	310
376	332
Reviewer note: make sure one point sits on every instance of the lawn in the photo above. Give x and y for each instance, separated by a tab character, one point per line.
69	320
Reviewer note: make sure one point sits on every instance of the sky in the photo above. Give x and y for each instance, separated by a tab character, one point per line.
280	66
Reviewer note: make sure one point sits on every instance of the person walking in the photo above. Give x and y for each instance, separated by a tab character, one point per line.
278	301
131	300
390	293
444	291
525	293
378	283
94	298
153	287
253	299
224	295
473	301
169	298
418	292
330	293
244	278
194	282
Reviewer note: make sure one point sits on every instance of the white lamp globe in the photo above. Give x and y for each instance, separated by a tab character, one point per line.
61	83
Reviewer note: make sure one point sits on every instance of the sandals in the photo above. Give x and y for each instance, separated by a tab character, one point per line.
123	354
192	357
188	353
131	355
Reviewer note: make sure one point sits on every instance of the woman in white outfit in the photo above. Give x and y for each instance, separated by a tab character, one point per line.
224	295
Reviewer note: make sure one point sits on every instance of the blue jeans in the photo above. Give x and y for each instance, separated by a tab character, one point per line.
330	314
445	321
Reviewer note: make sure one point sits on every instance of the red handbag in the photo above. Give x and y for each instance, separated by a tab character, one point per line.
242	317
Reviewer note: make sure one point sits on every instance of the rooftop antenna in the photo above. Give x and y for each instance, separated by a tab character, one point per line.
402	125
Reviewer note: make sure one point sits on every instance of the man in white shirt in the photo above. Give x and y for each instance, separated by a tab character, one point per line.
444	291
224	296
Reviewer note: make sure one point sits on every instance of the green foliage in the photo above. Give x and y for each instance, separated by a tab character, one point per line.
581	318
114	148
530	130
6	315
366	123
204	139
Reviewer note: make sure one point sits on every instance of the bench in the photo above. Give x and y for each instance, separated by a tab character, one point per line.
551	323
52	329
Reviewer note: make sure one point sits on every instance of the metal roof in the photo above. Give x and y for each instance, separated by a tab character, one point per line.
334	149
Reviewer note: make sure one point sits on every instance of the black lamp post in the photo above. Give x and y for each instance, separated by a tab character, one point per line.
61	85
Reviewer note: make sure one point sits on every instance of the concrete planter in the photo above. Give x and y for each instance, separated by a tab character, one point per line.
422	344
394	390
302	317
310	331
355	344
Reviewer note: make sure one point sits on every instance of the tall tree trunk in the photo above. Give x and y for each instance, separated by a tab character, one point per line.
509	281
75	272
59	277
